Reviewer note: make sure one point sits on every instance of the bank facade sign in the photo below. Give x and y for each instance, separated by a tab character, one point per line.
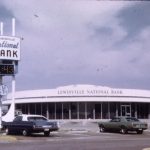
9	48
90	92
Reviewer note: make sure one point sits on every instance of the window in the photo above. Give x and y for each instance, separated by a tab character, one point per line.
36	119
73	110
115	120
65	110
18	118
131	119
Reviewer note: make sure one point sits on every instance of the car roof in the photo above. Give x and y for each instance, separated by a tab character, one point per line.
124	117
30	115
25	116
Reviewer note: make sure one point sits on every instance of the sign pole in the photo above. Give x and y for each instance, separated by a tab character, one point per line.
0	105
1	81
10	55
13	77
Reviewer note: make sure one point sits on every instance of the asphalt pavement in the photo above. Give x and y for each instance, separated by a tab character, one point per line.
77	131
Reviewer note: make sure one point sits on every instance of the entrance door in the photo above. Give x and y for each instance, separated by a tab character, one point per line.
126	110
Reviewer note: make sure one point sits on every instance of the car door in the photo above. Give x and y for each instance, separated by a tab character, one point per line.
114	124
17	124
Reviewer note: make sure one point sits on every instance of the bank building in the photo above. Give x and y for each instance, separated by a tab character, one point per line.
76	102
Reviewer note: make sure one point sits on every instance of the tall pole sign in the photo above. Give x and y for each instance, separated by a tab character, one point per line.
9	57
9	48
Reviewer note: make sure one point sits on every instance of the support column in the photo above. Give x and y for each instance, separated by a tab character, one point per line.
62	110
135	110
116	110
93	112
101	110
85	110
41	108
149	110
47	111
28	108
78	110
35	108
70	111
55	111
108	110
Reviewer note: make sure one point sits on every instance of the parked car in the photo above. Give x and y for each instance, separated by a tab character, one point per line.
28	124
123	125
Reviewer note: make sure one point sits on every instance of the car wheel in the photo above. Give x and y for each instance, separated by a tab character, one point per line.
46	133
123	130
25	132
139	131
7	131
102	128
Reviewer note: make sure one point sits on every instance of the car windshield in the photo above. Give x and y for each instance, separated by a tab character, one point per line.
115	120
36	119
131	119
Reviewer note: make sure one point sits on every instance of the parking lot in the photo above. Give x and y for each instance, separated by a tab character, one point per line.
81	140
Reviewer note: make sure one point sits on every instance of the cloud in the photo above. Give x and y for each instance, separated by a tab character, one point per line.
75	42
135	18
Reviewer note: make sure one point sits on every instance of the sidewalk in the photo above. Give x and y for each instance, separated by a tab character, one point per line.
79	126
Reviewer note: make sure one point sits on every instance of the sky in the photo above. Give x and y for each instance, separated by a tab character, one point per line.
104	43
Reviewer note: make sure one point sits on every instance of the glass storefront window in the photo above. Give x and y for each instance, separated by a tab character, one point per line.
133	110
58	110
112	109
32	108
98	111
65	110
81	110
44	109
86	110
105	114
142	110
51	110
73	110
90	110
38	108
